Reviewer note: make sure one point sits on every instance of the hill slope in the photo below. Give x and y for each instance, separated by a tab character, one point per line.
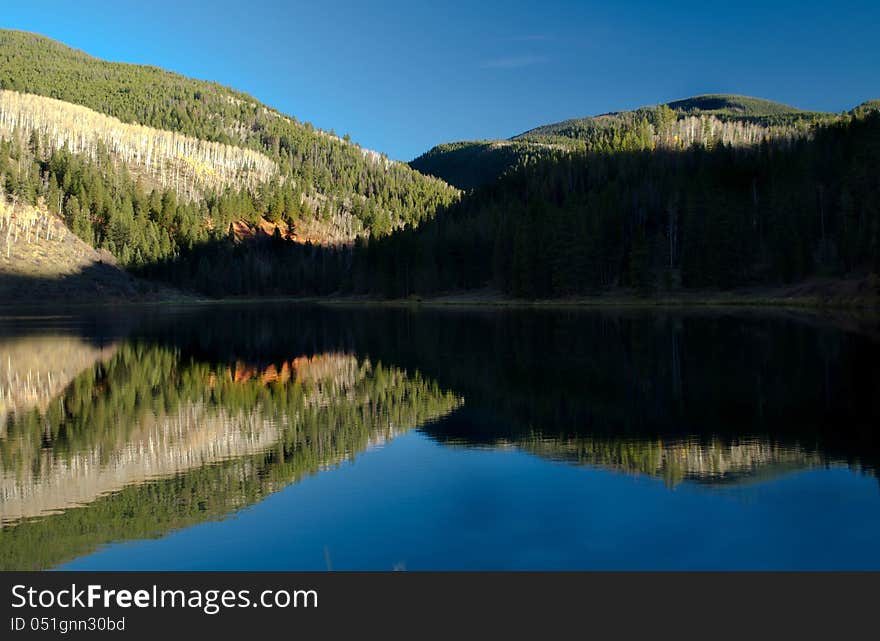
733	105
657	220
41	262
473	163
329	173
868	105
734	120
171	160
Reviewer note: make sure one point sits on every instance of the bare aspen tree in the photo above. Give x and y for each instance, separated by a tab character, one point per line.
171	158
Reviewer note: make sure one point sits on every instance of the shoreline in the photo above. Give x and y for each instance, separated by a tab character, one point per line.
465	300
816	294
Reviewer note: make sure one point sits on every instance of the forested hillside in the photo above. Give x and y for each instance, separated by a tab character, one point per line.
702	120
199	186
729	105
320	176
470	164
85	469
169	160
710	216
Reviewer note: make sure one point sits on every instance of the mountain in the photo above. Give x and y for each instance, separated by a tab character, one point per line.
733	105
868	105
204	188
472	163
82	469
304	173
734	120
653	214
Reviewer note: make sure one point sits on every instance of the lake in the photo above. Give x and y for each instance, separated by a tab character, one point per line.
281	437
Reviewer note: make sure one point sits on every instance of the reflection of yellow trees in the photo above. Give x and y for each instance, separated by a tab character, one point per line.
148	441
35	369
187	164
715	461
157	446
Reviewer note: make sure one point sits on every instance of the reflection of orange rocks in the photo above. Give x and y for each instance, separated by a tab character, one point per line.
243	373
338	406
333	367
270	375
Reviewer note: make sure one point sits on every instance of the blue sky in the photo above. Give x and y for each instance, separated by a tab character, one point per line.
401	77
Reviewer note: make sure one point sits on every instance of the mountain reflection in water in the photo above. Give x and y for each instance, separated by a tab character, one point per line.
175	418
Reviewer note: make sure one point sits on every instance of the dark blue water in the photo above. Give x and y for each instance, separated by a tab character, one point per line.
417	505
456	440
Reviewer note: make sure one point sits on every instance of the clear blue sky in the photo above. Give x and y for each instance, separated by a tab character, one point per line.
401	77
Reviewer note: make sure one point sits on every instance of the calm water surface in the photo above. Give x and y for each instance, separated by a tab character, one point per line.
295	438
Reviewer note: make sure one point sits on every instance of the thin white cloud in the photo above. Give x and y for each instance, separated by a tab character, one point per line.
530	38
513	62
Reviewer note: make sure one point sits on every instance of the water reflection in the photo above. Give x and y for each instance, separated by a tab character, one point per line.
703	396
179	417
36	369
150	440
713	462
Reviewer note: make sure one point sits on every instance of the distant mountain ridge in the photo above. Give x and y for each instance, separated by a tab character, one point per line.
729	118
868	105
733	104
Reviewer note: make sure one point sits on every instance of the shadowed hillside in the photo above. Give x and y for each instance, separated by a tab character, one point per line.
43	262
714	216
701	120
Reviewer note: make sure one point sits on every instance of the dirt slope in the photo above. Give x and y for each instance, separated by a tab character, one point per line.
43	262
